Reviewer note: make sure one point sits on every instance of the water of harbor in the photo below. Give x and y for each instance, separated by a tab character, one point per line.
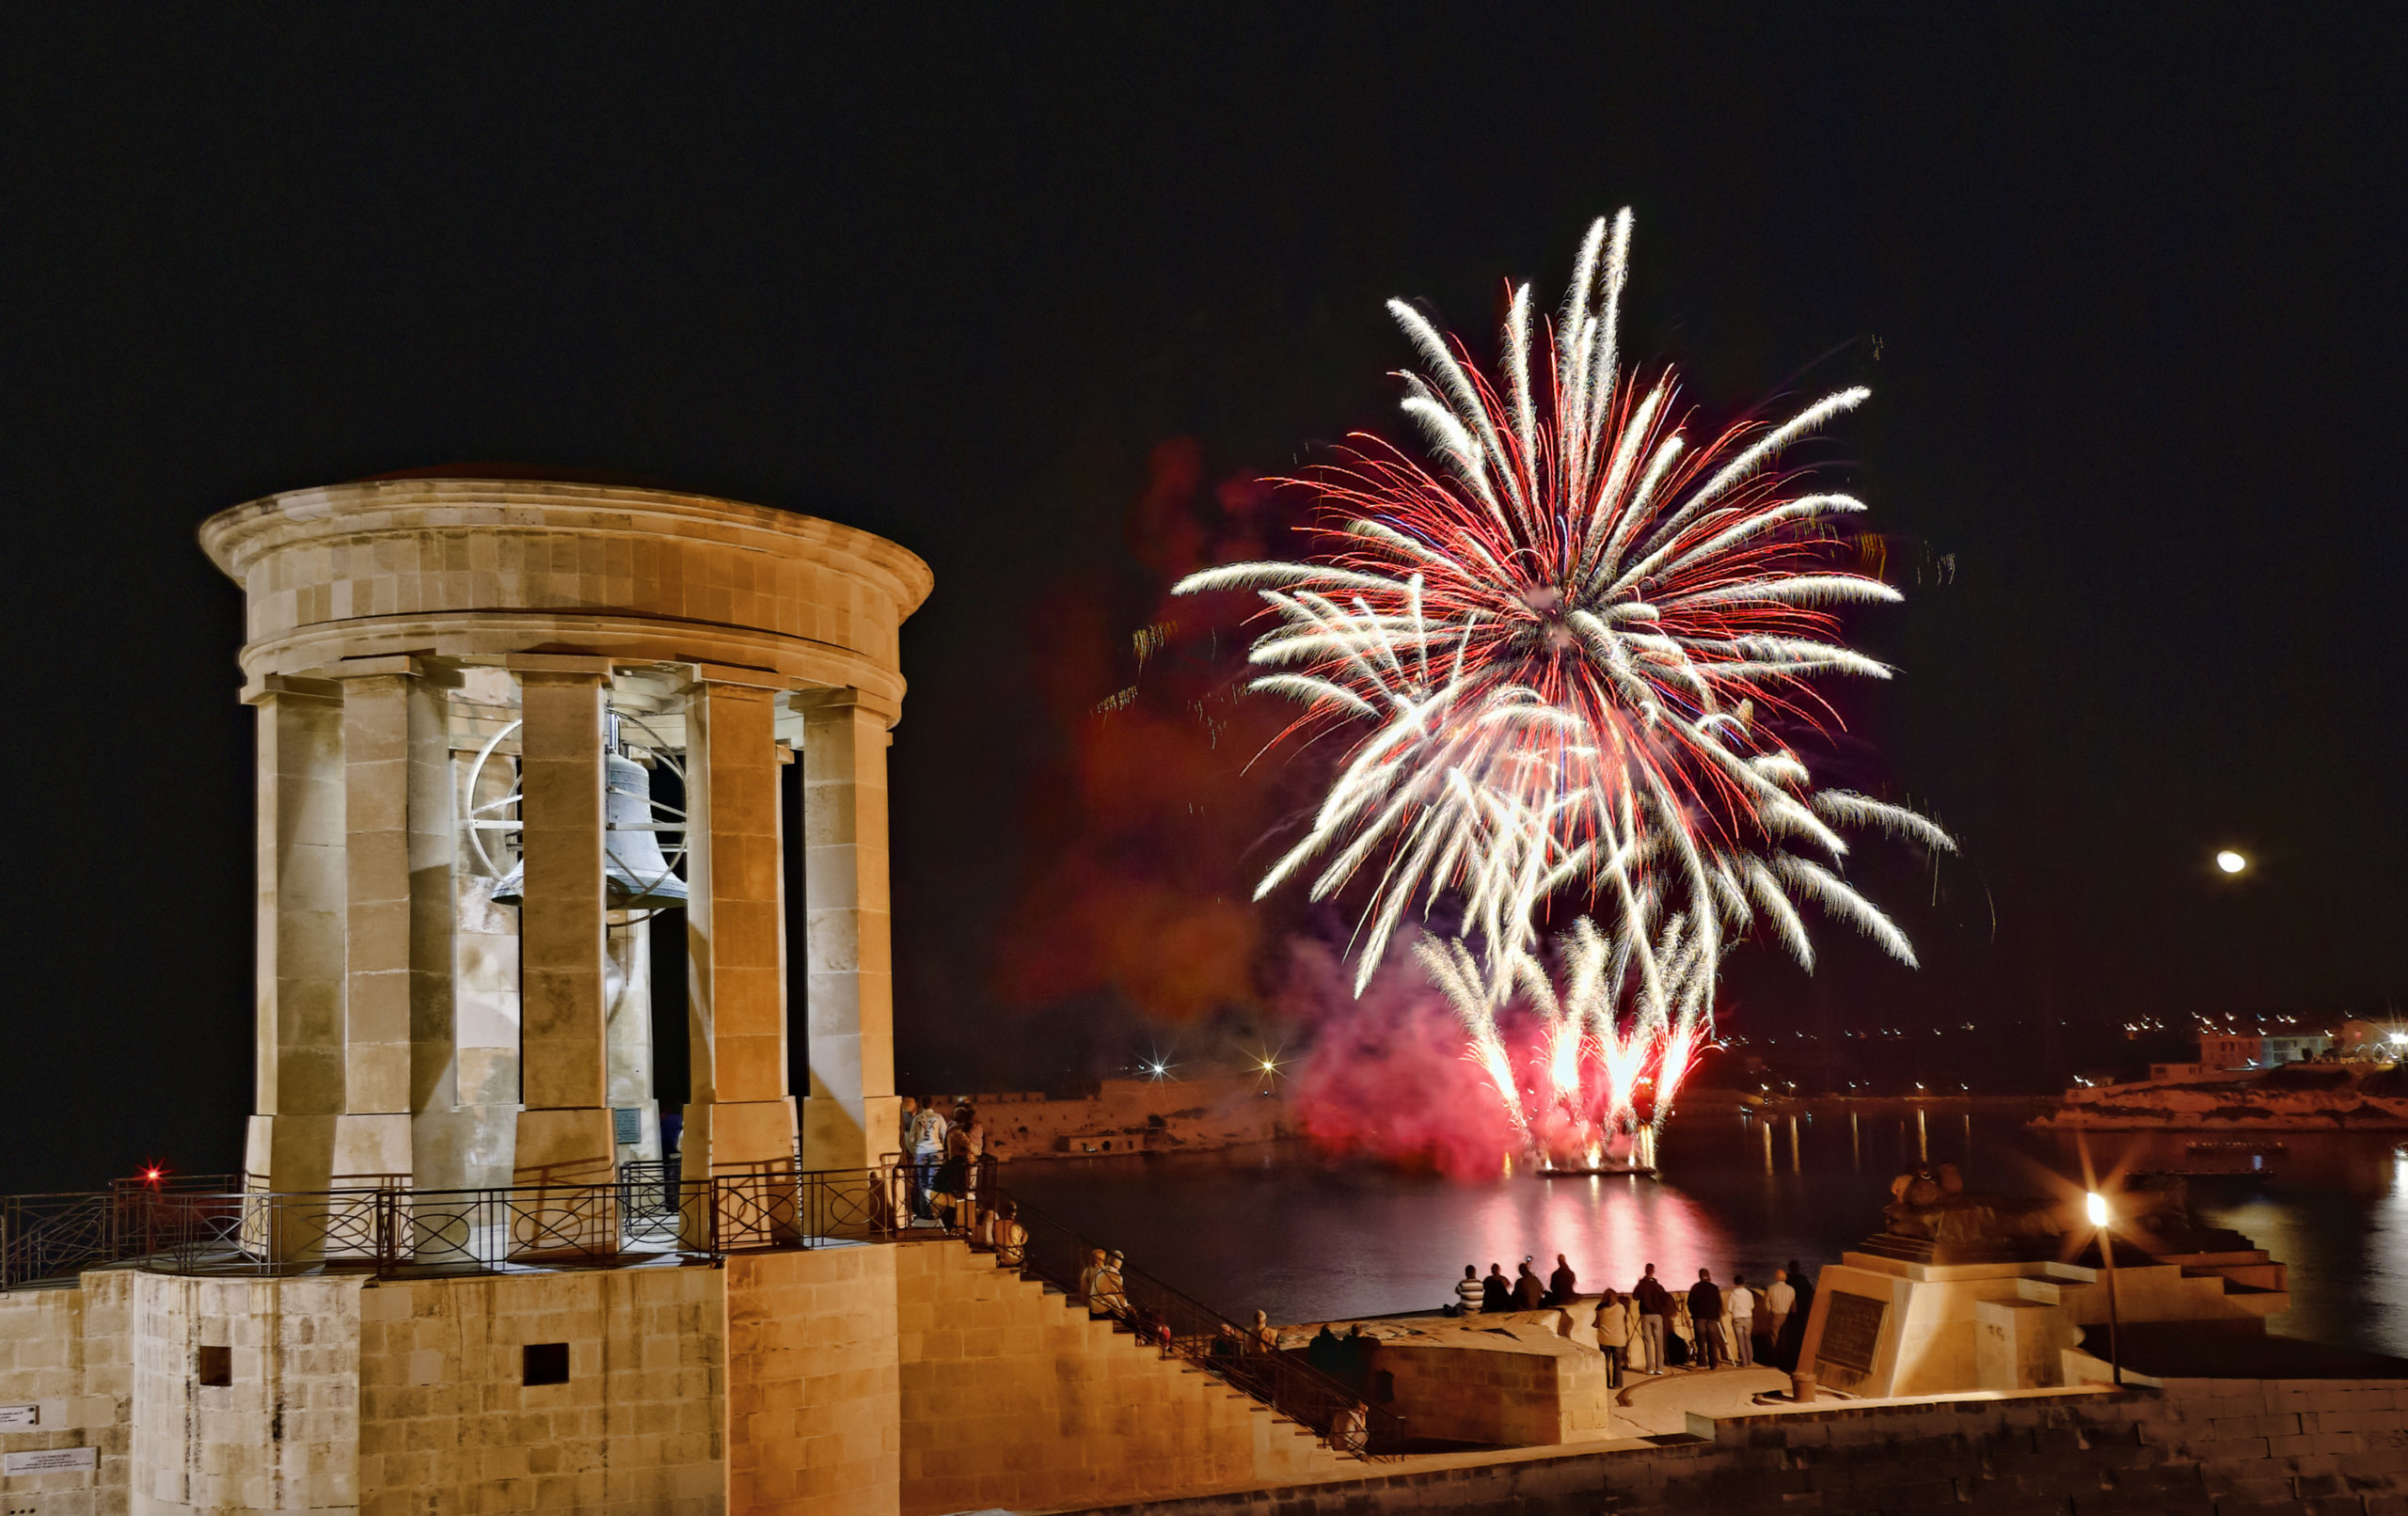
1272	1227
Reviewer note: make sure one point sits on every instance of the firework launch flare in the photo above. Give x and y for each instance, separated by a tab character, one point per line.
1566	647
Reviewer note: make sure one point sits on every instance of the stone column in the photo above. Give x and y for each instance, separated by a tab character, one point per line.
442	1140
299	1065
740	1114
373	1135
848	1116
565	1129
484	985
627	990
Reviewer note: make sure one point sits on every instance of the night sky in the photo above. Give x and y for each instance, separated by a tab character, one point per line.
2127	293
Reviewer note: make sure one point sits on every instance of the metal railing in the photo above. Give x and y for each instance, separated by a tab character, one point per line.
1181	1327
393	1231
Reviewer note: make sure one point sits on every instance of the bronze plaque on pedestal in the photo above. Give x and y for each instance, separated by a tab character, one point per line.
1851	1334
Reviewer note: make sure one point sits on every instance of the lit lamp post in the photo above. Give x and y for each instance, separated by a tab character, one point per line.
2098	1209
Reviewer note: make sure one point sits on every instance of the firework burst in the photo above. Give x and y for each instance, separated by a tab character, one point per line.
1565	644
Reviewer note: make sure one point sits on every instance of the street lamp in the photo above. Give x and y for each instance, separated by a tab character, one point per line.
2097	1205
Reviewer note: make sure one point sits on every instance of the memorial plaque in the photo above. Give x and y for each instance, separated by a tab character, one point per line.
1851	1332
626	1124
19	1416
52	1461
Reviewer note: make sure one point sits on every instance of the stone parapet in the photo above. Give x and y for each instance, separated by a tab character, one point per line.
69	1354
2212	1447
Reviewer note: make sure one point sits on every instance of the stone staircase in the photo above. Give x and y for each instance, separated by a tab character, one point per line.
1013	1397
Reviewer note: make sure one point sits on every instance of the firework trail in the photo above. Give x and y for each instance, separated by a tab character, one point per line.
1565	649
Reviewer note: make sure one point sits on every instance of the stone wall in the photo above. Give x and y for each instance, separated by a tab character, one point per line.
69	1354
447	1422
812	1381
1549	1390
1013	1398
851	1381
2214	1447
283	1432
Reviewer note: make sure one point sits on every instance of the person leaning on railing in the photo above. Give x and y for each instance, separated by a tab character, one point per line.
950	1192
1262	1337
1110	1295
1006	1234
1351	1428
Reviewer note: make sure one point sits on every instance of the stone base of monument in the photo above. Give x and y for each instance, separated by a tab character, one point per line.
1909	1316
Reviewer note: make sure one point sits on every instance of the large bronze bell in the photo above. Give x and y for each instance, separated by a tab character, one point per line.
635	876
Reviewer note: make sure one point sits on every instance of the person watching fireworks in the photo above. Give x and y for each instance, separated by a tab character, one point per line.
1705	1317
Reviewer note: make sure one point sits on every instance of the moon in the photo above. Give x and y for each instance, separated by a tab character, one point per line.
2230	862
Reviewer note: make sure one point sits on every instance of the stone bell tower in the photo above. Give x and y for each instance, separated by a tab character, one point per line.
495	714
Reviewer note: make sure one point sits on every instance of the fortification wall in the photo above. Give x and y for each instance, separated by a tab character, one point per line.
811	1409
1013	1398
69	1354
2213	1448
446	1421
1133	1115
280	1431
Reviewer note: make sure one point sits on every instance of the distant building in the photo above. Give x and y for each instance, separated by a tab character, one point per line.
2293	1048
2377	1040
2233	1052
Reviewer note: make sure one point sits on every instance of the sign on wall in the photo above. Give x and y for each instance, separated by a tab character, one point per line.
19	1416
51	1461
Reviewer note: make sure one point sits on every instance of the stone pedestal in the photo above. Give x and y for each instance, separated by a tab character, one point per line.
1884	1325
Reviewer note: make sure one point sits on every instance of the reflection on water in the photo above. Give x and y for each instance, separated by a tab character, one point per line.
1307	1241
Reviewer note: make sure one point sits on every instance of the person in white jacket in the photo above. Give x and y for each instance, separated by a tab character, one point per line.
1778	1300
1739	1317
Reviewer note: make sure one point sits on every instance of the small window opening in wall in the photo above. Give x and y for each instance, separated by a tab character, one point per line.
214	1366
546	1363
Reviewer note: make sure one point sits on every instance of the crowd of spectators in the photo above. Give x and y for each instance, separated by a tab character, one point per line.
1650	1329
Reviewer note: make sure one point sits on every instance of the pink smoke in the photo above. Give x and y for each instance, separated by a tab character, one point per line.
1392	1075
1386	1076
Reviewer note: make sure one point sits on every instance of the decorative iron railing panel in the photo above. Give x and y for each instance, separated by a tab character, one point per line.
649	1213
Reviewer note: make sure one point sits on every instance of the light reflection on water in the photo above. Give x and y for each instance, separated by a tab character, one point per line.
1307	1241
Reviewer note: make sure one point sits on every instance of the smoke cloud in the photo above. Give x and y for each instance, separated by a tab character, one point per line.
1383	1076
1142	825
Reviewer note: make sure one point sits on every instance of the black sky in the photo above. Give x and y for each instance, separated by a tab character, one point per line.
2126	288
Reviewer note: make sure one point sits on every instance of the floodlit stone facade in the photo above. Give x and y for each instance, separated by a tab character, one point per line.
439	665
898	1379
1882	1326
